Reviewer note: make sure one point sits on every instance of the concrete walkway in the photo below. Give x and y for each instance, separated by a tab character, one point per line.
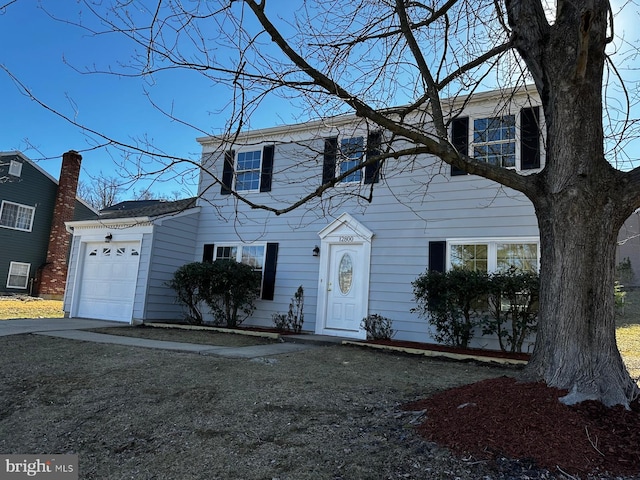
75	329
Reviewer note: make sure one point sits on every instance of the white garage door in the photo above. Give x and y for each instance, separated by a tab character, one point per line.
108	282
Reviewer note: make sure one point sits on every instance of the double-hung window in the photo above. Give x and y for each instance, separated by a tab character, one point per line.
345	156
261	257
18	275
16	216
497	255
494	140
252	255
351	155
247	170
508	141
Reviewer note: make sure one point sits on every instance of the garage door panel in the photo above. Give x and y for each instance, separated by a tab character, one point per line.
108	282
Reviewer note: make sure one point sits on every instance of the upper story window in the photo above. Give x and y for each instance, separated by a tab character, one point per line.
15	168
509	141
494	140
247	170
342	156
16	216
351	155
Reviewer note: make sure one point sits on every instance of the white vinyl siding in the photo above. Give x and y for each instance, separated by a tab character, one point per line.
18	275
16	216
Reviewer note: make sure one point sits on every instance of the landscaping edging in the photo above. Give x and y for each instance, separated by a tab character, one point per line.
359	343
437	353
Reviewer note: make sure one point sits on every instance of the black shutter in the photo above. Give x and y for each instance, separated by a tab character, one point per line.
372	171
530	138
207	254
269	278
267	168
437	254
460	140
227	172
329	162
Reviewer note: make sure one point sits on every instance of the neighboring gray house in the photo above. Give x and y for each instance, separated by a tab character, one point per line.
27	198
120	262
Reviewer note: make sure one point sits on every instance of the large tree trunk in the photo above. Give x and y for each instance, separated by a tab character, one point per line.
579	203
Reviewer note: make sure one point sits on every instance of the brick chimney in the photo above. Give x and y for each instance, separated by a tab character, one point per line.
54	272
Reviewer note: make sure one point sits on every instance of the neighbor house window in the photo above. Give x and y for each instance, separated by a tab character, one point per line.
16	216
494	255
15	168
18	275
494	140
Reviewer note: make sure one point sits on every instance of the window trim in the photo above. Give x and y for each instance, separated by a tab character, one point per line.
529	136
515	140
19	205
257	170
492	243
229	177
11	265
333	159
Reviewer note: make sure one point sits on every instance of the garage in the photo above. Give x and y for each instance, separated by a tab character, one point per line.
108	280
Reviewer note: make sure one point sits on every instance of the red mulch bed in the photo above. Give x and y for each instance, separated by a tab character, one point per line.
504	418
444	348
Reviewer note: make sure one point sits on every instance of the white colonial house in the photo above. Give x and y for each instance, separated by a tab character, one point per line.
356	249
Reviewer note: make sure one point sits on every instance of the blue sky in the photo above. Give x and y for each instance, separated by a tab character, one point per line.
44	55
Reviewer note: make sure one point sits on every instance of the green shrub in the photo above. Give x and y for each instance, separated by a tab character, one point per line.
187	281
377	327
231	291
294	318
450	302
512	308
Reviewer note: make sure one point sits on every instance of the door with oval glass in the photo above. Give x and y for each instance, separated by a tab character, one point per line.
344	288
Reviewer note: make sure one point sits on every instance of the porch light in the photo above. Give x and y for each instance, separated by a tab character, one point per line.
108	238
316	251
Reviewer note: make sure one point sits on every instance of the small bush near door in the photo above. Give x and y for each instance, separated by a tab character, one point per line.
377	327
294	318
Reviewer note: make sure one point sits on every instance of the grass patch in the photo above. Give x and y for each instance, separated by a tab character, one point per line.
29	307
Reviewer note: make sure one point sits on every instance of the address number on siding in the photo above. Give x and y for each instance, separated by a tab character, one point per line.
346	238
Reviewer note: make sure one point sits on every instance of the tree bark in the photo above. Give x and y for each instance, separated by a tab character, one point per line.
579	204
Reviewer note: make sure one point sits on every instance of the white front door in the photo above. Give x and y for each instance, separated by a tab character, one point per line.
344	289
108	281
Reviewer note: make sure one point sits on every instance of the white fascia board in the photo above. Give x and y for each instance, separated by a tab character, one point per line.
115	223
301	131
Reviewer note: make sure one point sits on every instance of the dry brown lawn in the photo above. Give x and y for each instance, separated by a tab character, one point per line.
628	331
29	307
